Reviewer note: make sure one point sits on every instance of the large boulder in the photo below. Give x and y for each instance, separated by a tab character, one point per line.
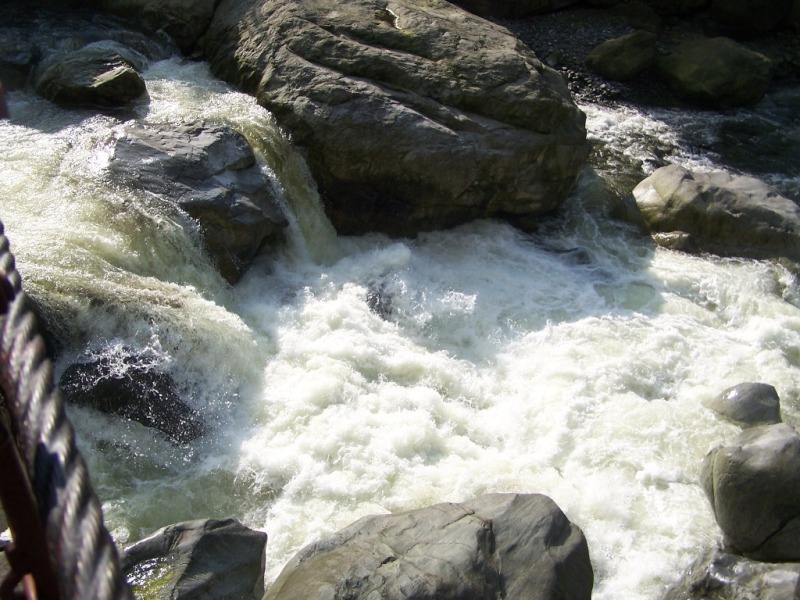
210	172
512	8
717	72
718	213
198	559
748	404
718	575
623	57
753	485
127	384
413	115
102	75
750	18
184	20
512	546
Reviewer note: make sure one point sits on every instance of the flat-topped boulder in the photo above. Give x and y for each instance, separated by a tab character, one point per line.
412	115
512	546
718	213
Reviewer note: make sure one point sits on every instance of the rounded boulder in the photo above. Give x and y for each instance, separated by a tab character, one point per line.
717	72
753	485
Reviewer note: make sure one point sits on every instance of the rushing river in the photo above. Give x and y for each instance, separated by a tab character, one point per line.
350	376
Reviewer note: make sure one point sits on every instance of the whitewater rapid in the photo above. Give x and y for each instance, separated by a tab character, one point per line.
351	376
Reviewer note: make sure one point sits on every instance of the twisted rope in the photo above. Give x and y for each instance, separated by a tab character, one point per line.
82	553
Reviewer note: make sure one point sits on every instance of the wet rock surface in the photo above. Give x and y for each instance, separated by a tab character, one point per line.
748	404
208	558
211	173
718	575
515	546
130	387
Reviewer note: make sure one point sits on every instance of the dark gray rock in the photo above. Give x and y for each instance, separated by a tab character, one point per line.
211	173
18	55
512	546
750	18
413	115
718	213
623	57
753	485
183	20
97	75
717	72
198	559
748	404
127	385
512	8
717	575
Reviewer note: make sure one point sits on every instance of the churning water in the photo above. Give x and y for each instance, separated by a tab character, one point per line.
344	377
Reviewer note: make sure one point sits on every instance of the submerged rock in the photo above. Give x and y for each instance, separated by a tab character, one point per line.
719	213
623	57
102	75
512	546
413	116
211	173
717	575
198	559
717	72
129	387
748	404
753	485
